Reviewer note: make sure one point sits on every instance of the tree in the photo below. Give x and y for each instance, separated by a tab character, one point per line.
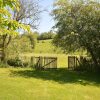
19	44
32	38
46	35
8	26
28	13
21	12
78	24
22	43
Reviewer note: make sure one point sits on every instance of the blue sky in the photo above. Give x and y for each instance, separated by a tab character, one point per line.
46	20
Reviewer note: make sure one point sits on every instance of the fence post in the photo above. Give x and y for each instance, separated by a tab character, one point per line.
32	61
71	62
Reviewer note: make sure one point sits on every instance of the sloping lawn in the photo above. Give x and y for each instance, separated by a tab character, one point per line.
60	84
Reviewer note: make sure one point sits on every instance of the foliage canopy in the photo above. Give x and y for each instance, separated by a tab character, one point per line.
78	24
7	24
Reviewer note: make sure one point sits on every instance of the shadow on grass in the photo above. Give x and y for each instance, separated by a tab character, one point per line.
61	76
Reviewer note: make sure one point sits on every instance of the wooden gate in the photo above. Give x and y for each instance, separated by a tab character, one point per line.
50	62
73	62
44	62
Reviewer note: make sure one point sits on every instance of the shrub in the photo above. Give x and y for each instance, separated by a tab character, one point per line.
86	65
17	62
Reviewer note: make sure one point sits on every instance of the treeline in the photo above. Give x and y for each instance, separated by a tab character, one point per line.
44	35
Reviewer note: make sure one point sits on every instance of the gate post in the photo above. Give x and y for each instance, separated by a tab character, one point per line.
71	62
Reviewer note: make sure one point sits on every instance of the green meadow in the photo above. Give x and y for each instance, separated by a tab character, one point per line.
60	84
46	46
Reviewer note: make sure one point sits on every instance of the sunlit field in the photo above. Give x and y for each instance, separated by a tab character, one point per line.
29	84
46	46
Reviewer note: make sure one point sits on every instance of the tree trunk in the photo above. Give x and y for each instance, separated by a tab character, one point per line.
3	47
94	58
3	55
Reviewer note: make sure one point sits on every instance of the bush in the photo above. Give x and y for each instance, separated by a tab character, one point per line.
86	65
17	62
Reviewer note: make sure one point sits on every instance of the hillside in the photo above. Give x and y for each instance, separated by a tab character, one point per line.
46	46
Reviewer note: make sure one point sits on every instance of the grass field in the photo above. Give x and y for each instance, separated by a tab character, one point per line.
46	46
28	84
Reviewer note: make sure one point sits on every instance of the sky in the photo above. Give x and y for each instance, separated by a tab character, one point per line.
46	20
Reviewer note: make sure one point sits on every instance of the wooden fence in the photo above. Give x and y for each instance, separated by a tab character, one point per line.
72	62
82	62
51	62
42	62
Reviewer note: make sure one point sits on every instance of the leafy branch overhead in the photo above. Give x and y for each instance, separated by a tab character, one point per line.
7	24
